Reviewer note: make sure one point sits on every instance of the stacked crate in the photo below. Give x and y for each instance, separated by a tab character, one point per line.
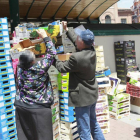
55	107
125	57
7	86
119	105
68	125
100	58
102	111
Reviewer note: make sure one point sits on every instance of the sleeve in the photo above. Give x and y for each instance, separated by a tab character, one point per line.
71	36
48	59
67	66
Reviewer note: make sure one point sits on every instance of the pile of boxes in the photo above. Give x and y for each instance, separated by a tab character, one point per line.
125	58
102	110
100	58
119	105
7	86
68	125
55	107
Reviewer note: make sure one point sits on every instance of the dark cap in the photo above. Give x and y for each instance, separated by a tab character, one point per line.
87	36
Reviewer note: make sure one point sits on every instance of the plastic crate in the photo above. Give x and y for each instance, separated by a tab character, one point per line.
64	100
8	134
67	112
64	95
7	102
6	70
68	118
4	39
3	20
5	77
7	83
7	89
5	58
4	33
12	138
7	128
7	115
7	121
3	26
5	64
66	107
7	96
6	109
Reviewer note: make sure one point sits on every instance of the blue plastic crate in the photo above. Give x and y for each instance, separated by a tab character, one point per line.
4	52
5	58
64	100
6	70
68	118
3	20
7	115
6	109
67	112
107	72
66	107
4	39
8	134
7	83
4	33
3	26
7	128
7	102
7	121
64	95
7	96
5	77
4	45
7	89
5	64
12	138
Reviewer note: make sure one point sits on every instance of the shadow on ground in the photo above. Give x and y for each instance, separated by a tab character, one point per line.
137	131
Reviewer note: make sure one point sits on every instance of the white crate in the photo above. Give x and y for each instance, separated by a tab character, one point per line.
102	117
101	105
104	124
104	111
119	116
102	98
64	136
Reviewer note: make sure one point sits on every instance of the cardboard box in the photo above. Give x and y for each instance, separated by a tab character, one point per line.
63	57
135	104
37	46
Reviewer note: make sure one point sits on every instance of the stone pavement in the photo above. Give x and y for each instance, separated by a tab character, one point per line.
120	130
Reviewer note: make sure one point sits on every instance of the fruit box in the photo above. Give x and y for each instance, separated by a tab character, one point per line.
37	46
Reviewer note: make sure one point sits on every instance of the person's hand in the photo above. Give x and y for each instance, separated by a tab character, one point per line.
64	23
42	33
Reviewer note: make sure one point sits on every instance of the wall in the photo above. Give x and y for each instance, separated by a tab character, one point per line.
108	44
128	19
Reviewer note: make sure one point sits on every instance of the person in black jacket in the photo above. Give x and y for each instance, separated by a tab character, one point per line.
83	88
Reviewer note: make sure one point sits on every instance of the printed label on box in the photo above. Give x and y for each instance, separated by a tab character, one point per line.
6	39
5	32
7	45
14	94
5	27
4	21
12	82
9	64
1	104
1	98
13	88
7	57
10	70
4	129
7	51
66	94
66	112
11	76
66	107
2	117
66	118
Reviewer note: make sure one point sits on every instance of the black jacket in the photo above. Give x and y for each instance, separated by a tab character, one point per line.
83	88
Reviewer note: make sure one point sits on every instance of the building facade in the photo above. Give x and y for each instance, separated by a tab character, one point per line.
136	11
116	15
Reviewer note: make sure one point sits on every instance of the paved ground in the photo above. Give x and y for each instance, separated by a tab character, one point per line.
125	129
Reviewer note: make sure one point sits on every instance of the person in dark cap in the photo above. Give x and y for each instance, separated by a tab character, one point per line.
83	88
